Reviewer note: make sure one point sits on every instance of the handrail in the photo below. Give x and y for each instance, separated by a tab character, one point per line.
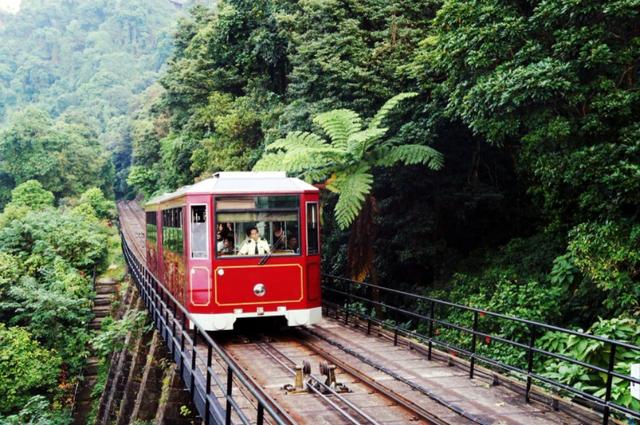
349	291
175	323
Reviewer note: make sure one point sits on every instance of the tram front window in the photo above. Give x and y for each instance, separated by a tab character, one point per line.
257	225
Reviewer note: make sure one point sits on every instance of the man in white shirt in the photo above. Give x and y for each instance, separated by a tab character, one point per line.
254	245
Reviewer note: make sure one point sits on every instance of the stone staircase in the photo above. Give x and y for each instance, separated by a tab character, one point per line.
105	289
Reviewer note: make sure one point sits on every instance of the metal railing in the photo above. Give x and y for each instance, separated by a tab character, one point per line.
186	342
346	295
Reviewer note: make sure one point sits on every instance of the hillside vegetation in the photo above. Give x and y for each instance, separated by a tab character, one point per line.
85	65
505	176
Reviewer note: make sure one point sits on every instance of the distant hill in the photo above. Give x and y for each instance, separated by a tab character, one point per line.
86	61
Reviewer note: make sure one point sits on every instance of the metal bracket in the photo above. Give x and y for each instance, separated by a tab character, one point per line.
302	376
329	370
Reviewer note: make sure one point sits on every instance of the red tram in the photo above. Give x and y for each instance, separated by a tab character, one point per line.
239	245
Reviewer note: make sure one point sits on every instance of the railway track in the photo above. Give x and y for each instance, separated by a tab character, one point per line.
354	396
360	380
359	400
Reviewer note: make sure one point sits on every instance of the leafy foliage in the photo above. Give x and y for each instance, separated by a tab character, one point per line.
31	194
596	353
345	163
102	207
25	369
62	157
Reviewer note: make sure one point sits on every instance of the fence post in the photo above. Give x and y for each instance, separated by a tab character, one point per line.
208	390
607	397
260	418
347	306
193	359
229	394
532	341
432	312
473	344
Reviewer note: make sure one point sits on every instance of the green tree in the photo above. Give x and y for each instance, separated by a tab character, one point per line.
25	368
103	208
556	82
62	157
346	164
31	194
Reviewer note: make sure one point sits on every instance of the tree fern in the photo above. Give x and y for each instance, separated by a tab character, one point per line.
269	162
353	187
298	160
359	142
381	115
297	139
339	124
411	155
344	164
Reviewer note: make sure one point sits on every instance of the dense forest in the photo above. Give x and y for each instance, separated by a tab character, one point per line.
482	152
71	73
531	107
506	175
74	71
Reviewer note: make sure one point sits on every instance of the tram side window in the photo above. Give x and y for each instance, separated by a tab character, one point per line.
273	220
312	228
199	248
152	227
172	239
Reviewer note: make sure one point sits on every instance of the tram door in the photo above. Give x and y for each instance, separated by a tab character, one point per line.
312	228
199	255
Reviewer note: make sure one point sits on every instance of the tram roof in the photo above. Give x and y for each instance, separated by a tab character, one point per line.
241	182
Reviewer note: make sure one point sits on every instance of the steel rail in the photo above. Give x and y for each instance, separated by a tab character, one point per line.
317	380
160	301
354	292
410	405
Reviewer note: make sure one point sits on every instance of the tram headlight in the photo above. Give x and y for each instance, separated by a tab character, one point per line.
259	289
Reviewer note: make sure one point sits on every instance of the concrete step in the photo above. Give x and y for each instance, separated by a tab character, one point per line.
105	281
96	322
101	308
101	300
107	289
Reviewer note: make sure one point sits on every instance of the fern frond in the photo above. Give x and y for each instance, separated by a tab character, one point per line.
339	124
301	159
410	155
359	142
381	115
269	162
353	186
297	139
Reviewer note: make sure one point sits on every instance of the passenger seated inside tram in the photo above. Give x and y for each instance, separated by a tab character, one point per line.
279	238
254	245
227	246
292	244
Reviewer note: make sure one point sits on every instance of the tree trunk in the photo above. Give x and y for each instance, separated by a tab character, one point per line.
361	251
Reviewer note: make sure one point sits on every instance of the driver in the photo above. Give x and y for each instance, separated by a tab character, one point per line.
254	245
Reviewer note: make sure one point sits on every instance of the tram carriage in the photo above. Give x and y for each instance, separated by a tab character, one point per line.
202	245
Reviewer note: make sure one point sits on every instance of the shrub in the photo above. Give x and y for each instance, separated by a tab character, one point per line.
26	368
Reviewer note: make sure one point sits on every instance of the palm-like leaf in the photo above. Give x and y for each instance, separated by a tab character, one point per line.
411	155
298	160
381	115
359	142
297	139
269	162
339	124
353	187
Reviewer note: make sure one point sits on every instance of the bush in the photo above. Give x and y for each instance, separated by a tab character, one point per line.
26	368
104	208
31	194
